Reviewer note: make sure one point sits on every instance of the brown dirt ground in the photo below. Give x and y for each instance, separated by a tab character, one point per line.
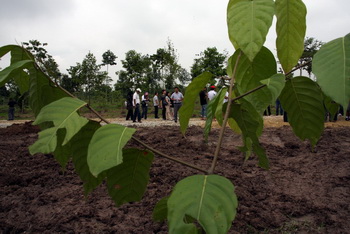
305	191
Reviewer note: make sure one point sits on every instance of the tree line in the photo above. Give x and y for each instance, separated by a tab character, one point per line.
89	81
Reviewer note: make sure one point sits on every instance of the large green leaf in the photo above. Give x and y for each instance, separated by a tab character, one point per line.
22	80
250	74
63	114
331	65
8	73
302	99
42	91
5	49
248	24
127	182
192	92
160	211
251	124
219	113
79	147
210	199
105	148
275	85
211	110
290	28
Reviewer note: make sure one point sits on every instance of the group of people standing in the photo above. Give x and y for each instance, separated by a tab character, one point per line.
170	103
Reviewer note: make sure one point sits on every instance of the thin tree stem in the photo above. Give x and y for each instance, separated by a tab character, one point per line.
227	113
298	67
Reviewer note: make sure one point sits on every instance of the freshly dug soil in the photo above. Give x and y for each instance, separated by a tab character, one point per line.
305	190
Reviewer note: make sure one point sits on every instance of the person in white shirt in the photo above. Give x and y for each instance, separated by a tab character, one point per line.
144	103
156	104
211	93
177	97
136	105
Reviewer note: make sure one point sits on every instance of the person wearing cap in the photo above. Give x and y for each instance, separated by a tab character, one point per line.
211	93
144	104
177	97
136	105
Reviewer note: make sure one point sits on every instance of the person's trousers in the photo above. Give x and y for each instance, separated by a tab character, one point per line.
137	113
11	113
156	112
164	112
204	111
144	112
177	107
130	114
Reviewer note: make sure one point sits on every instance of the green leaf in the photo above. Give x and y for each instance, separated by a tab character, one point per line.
331	106
250	74
5	49
211	109
331	65
63	115
42	91
62	152
127	182
8	73
210	199
248	24
291	29
79	145
18	53
275	85
219	113
160	211
105	148
251	124
192	92
22	80
302	99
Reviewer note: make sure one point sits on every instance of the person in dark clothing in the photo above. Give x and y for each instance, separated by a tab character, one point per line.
279	109
129	106
11	112
203	96
163	104
267	112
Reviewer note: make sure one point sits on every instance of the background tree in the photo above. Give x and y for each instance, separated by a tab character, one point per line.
311	46
210	60
45	61
108	58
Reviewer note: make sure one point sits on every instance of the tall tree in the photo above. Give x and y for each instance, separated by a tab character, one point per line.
311	46
86	76
210	60
108	59
46	62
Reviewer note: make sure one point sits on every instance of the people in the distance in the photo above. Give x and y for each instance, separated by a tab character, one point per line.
144	103
11	111
177	97
211	93
279	109
136	105
203	96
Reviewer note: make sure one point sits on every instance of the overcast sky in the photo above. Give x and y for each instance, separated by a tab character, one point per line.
72	28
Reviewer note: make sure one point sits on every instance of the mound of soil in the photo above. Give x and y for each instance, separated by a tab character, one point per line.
304	191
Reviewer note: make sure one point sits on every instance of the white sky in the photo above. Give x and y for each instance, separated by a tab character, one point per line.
72	28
